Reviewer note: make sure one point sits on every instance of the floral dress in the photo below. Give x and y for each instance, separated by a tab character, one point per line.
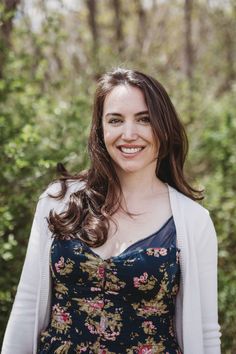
123	304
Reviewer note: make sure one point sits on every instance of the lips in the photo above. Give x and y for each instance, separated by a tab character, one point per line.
130	149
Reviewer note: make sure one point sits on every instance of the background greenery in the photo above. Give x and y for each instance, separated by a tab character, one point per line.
51	53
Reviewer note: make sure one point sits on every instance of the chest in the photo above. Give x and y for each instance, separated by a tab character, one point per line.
126	230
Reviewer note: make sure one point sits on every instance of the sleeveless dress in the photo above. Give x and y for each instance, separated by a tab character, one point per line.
123	304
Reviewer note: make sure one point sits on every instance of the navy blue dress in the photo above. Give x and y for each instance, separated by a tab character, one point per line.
124	304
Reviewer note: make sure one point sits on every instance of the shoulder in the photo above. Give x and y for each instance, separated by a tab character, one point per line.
192	211
196	217
47	203
191	205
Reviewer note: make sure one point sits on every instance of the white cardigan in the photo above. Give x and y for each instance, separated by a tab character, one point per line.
196	317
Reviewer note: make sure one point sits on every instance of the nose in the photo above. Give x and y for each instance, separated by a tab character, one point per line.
129	131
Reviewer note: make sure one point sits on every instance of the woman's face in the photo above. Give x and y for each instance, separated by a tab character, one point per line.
128	135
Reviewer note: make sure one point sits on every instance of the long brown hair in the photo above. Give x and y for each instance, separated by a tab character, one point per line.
92	206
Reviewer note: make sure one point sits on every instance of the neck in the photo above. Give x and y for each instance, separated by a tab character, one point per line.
140	185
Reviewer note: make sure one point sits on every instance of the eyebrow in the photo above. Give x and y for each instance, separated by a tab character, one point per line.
120	115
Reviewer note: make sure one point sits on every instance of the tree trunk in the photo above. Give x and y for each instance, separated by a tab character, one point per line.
92	21
118	25
141	30
228	48
188	52
92	9
230	72
188	60
6	29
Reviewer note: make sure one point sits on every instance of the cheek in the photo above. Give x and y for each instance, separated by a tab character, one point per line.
109	136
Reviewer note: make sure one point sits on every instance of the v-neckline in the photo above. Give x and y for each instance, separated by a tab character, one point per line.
126	251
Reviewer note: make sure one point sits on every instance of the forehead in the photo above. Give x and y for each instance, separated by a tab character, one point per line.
125	99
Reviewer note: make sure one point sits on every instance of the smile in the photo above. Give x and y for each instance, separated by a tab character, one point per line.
130	150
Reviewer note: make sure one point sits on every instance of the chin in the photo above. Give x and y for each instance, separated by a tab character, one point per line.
131	169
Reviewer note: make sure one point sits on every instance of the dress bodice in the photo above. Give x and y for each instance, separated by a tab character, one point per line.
123	304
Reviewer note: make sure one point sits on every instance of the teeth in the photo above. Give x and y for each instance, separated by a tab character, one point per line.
130	150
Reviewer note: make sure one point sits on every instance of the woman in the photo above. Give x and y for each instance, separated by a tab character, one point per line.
133	256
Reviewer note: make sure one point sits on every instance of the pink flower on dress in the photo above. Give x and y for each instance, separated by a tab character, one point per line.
145	349
61	320
65	317
149	309
101	272
91	328
60	264
97	304
142	279
149	324
111	336
157	251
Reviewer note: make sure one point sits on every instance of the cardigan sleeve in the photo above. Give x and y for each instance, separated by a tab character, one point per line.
207	256
19	333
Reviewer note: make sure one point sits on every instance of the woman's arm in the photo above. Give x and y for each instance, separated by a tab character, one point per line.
207	253
19	333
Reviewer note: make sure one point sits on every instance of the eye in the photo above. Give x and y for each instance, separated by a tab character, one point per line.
145	119
114	121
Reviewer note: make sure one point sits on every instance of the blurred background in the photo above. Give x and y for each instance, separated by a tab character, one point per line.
52	52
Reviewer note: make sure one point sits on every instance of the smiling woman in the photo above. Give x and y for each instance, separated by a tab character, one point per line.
121	257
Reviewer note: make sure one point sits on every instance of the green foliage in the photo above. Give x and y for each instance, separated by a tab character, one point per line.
219	145
45	110
38	130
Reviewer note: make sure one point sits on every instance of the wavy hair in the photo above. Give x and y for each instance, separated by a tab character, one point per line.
91	207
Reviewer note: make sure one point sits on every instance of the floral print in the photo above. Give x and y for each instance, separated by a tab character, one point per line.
124	304
156	252
63	267
61	320
143	282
